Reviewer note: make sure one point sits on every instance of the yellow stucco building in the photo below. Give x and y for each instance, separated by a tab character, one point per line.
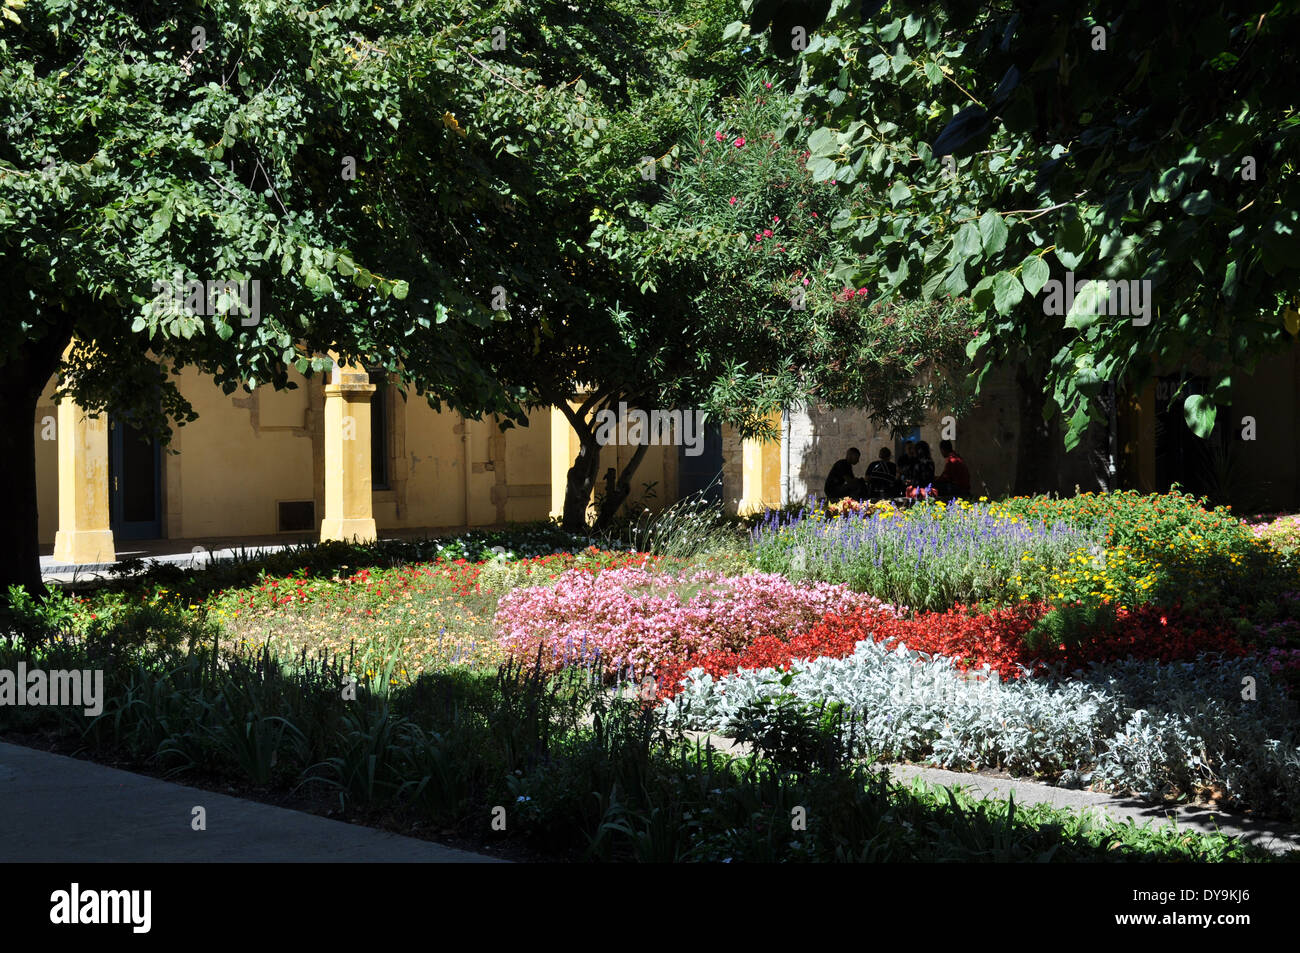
341	457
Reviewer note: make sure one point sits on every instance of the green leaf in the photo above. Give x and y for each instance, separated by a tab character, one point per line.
966	243
1007	292
1198	203
821	168
1071	243
822	142
994	232
1034	274
401	290
1200	412
899	193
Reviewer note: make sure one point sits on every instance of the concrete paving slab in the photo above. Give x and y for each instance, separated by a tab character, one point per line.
59	809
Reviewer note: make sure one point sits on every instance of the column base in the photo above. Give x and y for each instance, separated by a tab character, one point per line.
84	546
344	530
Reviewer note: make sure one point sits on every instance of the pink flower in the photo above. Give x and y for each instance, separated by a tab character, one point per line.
862	291
805	281
740	142
814	214
768	85
732	201
767	233
719	136
776	218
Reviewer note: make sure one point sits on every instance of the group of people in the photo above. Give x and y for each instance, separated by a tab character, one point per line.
914	470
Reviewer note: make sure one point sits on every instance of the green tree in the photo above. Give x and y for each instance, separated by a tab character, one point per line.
217	141
1008	143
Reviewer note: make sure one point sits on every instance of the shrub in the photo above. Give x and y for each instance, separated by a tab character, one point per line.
1149	727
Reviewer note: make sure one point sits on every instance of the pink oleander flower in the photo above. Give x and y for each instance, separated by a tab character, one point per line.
740	142
719	136
732	200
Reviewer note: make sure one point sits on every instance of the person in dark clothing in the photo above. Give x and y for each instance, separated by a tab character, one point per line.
954	481
841	482
907	462
882	476
922	467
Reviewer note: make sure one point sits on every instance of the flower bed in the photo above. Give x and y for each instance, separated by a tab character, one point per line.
638	619
1016	642
929	556
1154	728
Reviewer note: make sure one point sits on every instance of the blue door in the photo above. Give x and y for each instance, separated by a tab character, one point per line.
134	482
702	473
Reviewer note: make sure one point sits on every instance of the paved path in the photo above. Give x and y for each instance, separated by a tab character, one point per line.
1271	835
59	809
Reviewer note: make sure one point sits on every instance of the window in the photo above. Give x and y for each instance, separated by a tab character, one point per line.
379	431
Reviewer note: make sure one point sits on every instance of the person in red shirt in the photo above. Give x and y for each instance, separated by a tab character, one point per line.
954	481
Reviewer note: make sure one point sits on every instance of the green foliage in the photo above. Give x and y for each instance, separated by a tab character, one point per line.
997	146
581	775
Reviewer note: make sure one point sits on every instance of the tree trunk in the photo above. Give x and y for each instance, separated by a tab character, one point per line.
582	475
578	487
21	383
1038	439
614	499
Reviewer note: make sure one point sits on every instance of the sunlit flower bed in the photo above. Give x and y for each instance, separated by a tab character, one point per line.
638	620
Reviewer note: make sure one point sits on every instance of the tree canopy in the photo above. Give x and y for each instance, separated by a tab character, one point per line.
1006	144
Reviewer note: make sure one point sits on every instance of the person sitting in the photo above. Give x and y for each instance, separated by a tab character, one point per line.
882	476
954	481
922	474
907	462
841	482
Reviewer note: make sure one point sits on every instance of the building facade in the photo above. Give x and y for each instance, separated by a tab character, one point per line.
349	456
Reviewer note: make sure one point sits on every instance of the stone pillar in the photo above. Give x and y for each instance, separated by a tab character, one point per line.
84	534
348	512
761	472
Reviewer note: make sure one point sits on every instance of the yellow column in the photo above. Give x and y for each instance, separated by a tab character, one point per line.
761	473
561	460
564	450
348	513
84	535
